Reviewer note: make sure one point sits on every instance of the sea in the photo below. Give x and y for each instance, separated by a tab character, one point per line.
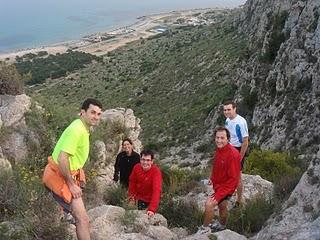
34	23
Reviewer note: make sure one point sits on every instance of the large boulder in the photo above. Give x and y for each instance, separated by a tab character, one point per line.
115	223
253	186
126	118
13	108
105	151
223	235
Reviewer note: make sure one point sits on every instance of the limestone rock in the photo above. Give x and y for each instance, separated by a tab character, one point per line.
13	108
126	118
15	146
299	217
253	186
229	235
5	165
111	222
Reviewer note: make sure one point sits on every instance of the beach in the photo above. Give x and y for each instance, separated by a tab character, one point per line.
102	42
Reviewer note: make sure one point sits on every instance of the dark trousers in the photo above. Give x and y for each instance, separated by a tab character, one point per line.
142	205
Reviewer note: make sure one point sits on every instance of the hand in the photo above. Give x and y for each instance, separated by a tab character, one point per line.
209	182
131	203
150	213
75	190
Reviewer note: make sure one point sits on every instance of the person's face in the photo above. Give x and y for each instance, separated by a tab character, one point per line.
146	162
221	139
127	147
92	116
229	111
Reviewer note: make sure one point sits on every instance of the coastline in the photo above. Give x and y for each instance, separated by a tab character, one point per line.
101	43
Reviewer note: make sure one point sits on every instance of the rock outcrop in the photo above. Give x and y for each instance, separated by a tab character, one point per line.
16	135
254	186
124	124
282	74
116	223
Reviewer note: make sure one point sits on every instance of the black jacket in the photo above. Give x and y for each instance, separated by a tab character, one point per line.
124	165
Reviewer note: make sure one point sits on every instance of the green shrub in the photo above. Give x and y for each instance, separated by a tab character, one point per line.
249	220
180	213
180	181
10	80
116	196
26	204
277	36
272	165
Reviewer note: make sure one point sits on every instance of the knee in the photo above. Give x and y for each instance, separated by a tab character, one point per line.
209	204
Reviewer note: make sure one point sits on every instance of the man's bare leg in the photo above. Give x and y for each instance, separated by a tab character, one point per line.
82	219
208	212
223	212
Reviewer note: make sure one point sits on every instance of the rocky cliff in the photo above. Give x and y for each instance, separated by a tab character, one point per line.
283	72
282	78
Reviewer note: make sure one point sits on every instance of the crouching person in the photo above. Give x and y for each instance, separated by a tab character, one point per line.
145	184
63	175
224	178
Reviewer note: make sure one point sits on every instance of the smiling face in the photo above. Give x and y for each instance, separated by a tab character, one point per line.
146	162
127	147
221	139
229	111
91	116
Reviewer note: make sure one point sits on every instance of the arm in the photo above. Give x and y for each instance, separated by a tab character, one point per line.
229	186
156	192
244	147
116	169
64	167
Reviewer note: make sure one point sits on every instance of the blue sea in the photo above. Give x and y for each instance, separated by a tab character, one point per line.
34	23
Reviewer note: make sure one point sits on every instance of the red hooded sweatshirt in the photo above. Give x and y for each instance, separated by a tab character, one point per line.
225	172
146	185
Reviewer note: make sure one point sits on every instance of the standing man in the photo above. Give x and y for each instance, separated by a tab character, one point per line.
145	184
224	178
125	162
239	137
64	175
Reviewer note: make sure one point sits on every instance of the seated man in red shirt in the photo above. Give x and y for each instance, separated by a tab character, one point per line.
224	178
145	184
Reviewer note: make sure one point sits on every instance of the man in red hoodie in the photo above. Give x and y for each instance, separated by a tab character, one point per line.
224	177
145	184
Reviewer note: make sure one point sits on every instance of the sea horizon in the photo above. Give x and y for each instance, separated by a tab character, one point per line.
36	23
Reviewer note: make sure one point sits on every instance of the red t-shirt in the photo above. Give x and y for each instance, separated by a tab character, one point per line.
146	185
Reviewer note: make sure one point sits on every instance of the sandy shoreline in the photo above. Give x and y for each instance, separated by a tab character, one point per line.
102	42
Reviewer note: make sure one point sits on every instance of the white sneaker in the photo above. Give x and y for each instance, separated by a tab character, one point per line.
203	230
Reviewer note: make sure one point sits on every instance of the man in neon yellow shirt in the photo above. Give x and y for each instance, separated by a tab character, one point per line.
63	175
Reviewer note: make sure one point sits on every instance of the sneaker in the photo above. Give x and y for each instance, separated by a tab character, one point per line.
69	218
214	224
203	230
217	227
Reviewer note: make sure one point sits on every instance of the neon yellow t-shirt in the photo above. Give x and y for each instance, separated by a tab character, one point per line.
74	141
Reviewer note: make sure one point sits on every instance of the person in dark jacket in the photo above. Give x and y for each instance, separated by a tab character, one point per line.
125	162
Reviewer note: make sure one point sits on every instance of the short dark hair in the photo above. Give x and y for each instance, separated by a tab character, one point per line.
230	102
221	129
88	101
127	140
147	153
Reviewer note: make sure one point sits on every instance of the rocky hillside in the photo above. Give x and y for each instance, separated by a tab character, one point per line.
265	55
282	71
